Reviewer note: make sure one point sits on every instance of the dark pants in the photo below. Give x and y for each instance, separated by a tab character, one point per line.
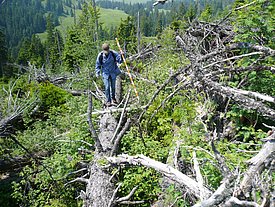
110	88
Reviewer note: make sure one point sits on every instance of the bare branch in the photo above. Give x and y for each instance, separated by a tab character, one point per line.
257	164
82	180
165	169
199	177
233	201
128	197
175	74
233	58
243	100
77	171
171	95
131	202
119	137
223	192
113	110
270	127
112	200
223	167
121	117
90	122
253	94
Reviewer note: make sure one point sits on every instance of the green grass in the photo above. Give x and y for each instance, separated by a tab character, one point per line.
108	17
67	21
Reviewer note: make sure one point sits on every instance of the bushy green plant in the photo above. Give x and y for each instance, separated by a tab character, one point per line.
51	96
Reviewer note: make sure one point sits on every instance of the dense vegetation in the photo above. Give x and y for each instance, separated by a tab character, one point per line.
51	134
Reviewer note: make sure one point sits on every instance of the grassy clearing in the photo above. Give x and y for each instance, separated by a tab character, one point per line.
108	17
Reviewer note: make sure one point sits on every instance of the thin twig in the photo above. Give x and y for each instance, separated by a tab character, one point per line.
112	200
121	117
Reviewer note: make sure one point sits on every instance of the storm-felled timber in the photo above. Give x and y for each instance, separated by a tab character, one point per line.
146	52
212	52
99	187
223	195
165	169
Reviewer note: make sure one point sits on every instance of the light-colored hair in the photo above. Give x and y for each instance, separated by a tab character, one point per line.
105	47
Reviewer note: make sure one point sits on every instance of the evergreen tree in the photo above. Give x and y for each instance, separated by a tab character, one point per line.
36	50
206	15
50	39
127	34
3	52
181	11
49	29
80	43
31	51
191	13
72	56
60	9
145	25
54	45
24	53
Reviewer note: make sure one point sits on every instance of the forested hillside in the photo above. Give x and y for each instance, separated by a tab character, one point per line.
20	19
23	18
195	120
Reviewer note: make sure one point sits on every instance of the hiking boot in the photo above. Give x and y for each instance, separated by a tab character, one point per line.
114	101
108	104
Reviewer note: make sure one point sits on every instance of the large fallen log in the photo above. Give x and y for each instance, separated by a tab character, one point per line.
242	97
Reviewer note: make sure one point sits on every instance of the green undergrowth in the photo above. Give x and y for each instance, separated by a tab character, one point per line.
60	128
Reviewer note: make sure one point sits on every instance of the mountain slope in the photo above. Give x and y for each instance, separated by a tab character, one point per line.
108	18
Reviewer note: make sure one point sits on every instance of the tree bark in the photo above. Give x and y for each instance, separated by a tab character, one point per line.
99	189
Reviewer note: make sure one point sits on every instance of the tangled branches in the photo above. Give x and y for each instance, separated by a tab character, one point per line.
213	54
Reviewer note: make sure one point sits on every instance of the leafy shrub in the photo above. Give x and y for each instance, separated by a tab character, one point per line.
51	95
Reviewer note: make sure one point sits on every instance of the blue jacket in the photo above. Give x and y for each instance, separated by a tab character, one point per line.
109	65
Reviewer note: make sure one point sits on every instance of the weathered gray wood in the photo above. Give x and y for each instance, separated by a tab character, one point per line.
99	189
257	164
220	195
165	169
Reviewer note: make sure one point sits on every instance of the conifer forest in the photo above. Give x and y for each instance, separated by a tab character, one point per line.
192	118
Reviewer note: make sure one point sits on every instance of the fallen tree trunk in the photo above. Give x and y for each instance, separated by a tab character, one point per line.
233	201
239	96
100	190
257	165
165	169
99	187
